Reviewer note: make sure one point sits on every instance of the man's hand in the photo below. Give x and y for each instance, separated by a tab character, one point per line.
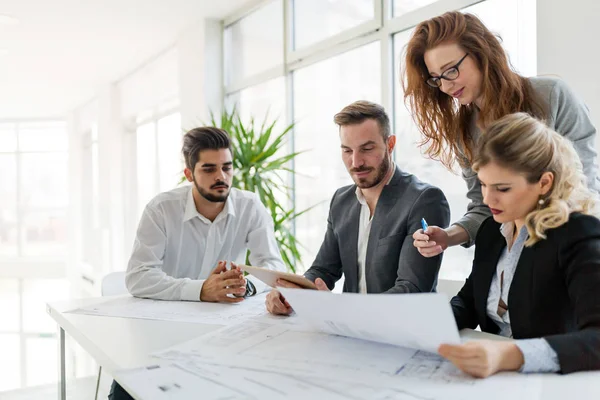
278	305
221	282
483	358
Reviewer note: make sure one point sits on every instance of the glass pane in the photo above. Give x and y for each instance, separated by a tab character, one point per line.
316	20
255	43
261	101
44	180
36	293
50	138
43	125
8	205
95	185
41	361
9	305
266	103
499	16
403	6
170	161
147	186
8	138
10	362
45	233
321	168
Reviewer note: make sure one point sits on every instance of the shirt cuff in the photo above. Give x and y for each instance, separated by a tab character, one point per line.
191	290
538	356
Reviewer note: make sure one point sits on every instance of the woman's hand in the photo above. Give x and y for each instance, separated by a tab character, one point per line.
483	358
432	242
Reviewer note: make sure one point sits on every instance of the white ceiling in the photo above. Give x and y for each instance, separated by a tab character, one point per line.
63	51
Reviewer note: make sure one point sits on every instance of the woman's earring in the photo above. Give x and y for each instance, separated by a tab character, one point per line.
541	202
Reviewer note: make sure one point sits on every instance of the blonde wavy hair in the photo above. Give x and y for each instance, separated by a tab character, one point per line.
527	146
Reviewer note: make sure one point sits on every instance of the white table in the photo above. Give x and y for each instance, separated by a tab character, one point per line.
121	343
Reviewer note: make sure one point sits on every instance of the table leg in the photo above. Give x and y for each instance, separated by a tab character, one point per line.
62	382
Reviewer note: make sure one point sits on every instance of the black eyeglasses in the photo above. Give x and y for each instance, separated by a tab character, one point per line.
450	74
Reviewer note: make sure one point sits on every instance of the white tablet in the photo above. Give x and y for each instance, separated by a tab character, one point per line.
270	277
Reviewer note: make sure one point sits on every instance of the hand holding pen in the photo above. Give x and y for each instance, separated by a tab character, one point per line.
430	240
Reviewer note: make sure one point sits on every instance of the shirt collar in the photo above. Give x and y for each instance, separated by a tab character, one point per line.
191	211
359	195
507	230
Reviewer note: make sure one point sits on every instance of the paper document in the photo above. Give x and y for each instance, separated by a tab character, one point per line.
167	382
193	380
181	311
420	321
353	368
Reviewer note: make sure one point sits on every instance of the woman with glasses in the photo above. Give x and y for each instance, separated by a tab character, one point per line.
457	79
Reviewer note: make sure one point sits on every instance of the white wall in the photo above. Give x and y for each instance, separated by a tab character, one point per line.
567	34
151	84
200	72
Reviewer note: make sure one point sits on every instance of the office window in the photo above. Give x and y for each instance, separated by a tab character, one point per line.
28	335
9	305
401	7
43	137
159	163
33	189
10	363
40	358
170	160
255	43
267	98
320	91
8	138
316	20
147	179
9	229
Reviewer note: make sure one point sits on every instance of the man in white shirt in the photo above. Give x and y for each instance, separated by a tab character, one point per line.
370	224
187	235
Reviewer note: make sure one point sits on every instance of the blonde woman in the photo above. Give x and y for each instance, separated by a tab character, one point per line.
536	272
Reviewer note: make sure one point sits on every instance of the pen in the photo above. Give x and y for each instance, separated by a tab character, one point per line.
424	224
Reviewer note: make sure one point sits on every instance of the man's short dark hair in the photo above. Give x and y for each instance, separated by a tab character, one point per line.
203	138
362	110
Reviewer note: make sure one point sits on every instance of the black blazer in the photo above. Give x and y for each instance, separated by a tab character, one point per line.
555	293
393	264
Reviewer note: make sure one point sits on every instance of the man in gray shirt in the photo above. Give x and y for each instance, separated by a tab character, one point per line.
370	223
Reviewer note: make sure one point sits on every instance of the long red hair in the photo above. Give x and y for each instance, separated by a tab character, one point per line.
442	120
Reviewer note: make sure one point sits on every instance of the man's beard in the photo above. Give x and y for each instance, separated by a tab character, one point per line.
383	169
214	198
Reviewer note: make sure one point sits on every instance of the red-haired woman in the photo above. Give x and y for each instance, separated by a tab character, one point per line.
457	80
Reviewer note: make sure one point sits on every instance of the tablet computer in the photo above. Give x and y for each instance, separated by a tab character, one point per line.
270	277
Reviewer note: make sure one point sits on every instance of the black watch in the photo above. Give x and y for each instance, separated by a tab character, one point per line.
250	289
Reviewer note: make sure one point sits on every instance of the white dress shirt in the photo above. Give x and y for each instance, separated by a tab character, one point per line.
176	248
364	231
